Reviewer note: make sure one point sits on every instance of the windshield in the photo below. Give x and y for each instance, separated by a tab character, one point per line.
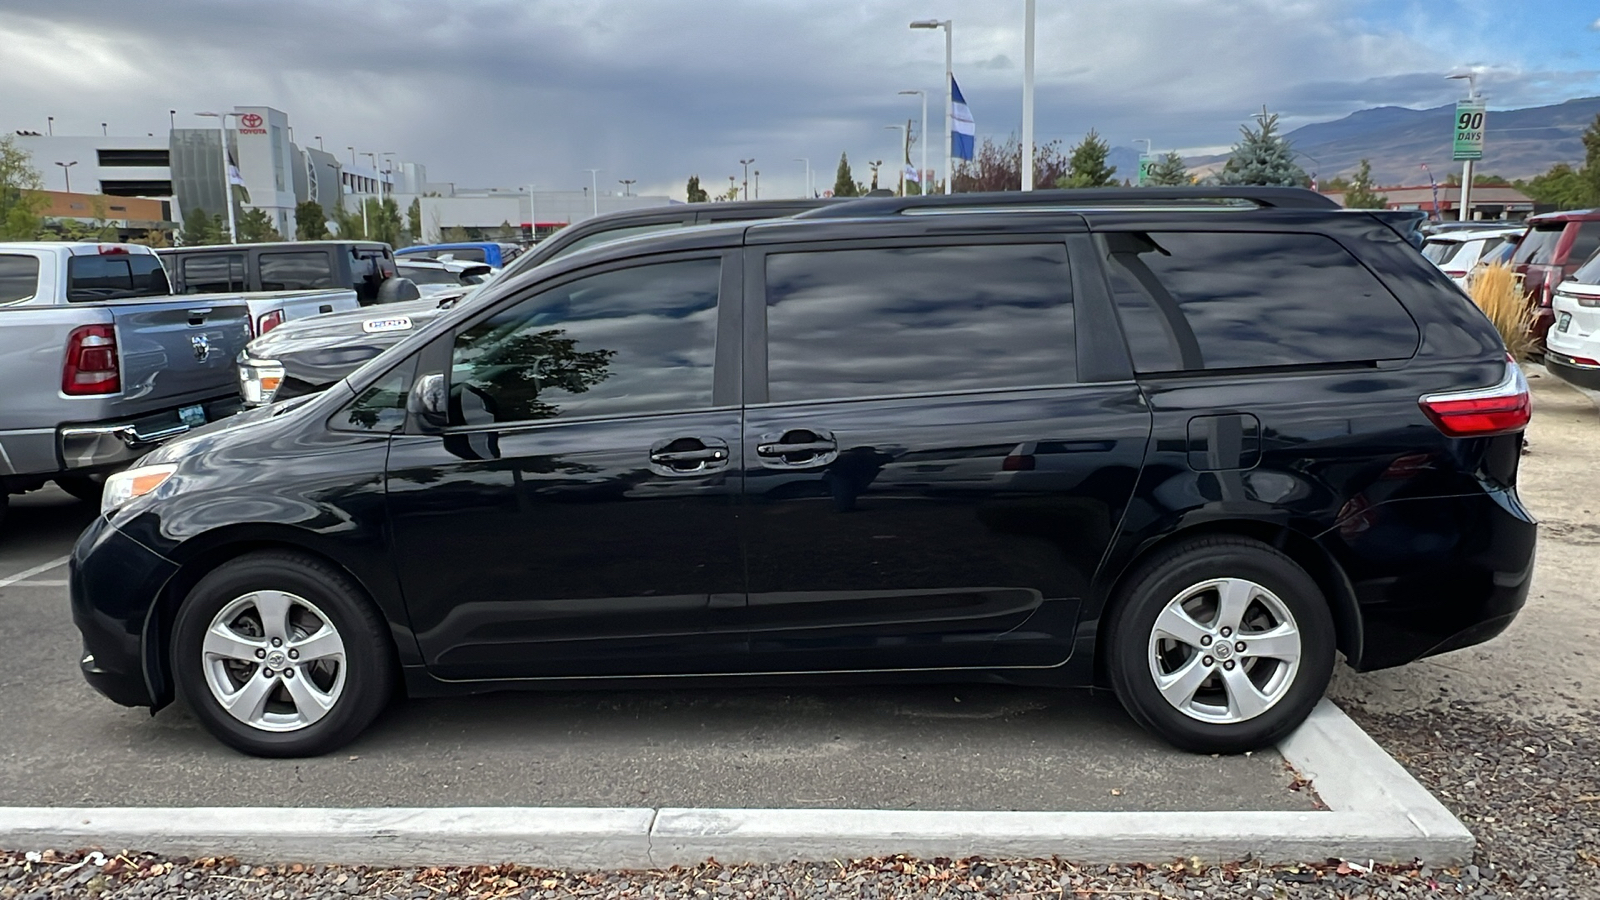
1538	246
430	275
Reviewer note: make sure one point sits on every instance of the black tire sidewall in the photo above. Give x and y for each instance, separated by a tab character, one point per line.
1156	584
368	673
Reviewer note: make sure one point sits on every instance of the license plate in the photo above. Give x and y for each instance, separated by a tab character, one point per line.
192	416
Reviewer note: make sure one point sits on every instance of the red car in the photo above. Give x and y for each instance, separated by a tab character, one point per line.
1555	246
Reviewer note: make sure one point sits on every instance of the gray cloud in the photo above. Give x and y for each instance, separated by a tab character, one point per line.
495	92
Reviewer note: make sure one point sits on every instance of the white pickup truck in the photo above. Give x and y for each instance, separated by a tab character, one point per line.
99	363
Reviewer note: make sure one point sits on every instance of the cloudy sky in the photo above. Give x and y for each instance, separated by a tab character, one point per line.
504	92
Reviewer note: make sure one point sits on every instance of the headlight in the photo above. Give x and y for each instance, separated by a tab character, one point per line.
127	485
259	380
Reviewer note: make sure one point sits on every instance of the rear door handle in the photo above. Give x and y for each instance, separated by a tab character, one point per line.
688	456
797	448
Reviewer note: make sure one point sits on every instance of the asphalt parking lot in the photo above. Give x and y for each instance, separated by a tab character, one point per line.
940	747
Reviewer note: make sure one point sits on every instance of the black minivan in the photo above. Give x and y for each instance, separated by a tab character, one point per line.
1189	443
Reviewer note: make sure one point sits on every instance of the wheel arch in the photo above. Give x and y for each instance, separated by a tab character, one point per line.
1299	547
203	555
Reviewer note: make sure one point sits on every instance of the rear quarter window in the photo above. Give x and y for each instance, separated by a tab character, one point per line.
297	271
1584	242
19	278
1235	300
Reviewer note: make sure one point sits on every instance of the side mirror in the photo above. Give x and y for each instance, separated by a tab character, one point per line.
429	402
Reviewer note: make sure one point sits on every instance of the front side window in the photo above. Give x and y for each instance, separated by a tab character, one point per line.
213	273
19	278
905	320
381	407
638	340
1229	300
301	271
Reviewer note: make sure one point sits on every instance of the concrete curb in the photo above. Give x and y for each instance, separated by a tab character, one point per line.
1377	811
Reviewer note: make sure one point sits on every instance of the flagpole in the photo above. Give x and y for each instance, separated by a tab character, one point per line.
949	111
1027	96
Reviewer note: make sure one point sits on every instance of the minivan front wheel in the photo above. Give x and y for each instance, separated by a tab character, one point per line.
279	655
1221	645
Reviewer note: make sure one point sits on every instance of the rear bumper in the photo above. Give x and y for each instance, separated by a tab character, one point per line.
1572	371
114	584
1435	574
101	445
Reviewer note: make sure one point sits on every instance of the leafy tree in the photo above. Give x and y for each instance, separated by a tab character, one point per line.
1168	170
998	167
1086	165
1263	157
844	183
200	229
256	227
414	221
20	204
697	194
1361	195
1565	187
310	222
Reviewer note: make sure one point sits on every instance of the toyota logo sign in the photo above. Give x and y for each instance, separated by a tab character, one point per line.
250	120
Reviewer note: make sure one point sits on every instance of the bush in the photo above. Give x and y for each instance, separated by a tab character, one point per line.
1498	292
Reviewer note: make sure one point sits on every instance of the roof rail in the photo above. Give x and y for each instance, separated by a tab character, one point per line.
1093	198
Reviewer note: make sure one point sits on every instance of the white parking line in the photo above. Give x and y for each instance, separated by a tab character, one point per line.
25	574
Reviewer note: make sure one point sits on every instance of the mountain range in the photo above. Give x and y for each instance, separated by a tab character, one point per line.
1520	143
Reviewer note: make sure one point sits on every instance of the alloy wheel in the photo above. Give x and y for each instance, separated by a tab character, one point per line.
1224	651
274	661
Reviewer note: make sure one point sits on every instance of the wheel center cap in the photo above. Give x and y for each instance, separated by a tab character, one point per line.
1222	650
276	660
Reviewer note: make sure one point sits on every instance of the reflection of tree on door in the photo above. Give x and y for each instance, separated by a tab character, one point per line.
514	375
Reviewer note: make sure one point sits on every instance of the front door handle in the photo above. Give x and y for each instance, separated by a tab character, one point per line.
797	448
688	456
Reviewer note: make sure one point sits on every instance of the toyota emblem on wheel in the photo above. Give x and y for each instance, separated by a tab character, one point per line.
202	347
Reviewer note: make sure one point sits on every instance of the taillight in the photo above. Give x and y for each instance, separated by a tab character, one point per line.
1501	409
1546	294
113	250
91	366
1587	301
269	321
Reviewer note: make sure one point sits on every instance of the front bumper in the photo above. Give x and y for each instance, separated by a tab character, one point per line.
1571	371
115	584
101	445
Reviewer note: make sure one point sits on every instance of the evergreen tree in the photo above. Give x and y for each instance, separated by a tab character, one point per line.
1168	170
697	194
844	184
1263	157
310	222
198	230
1086	164
20	202
414	222
255	227
1360	194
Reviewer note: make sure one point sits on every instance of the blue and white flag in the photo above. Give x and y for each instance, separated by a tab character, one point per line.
962	129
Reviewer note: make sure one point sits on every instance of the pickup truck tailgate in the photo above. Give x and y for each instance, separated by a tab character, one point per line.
174	354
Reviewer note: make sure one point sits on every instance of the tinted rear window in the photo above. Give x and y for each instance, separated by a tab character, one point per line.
1584	243
19	278
213	273
1538	246
1441	252
1231	300
872	323
300	271
114	276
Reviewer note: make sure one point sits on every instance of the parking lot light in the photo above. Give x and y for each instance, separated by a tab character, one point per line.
949	97
594	189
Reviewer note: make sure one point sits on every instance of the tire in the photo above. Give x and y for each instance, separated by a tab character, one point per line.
303	706
5	503
1285	615
84	487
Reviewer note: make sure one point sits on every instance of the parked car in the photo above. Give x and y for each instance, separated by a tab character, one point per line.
1458	252
567	480
433	277
492	253
100	363
367	267
1553	248
300	360
1573	348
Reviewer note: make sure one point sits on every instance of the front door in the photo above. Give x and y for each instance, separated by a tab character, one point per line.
578	517
926	484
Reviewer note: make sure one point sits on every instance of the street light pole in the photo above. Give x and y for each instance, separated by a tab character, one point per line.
758	183
66	172
533	217
922	175
1466	165
807	161
746	163
227	180
594	189
626	184
949	95
1027	95
900	153
366	232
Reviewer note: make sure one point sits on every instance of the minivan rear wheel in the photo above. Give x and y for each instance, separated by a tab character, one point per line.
1220	645
279	654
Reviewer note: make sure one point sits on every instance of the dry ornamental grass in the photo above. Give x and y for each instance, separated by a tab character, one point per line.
1498	292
